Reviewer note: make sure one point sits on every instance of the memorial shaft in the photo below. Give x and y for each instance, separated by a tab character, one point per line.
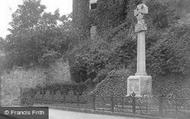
141	57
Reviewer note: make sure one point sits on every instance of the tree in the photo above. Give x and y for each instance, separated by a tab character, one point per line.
37	37
26	16
91	60
169	54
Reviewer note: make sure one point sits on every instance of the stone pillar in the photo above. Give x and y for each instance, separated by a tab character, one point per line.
93	32
141	83
141	56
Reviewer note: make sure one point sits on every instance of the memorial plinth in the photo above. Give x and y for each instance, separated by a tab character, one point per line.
140	83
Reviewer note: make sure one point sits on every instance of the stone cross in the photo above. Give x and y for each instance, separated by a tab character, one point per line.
140	29
140	83
139	13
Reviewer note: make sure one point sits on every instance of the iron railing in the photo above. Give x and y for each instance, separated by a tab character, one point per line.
154	105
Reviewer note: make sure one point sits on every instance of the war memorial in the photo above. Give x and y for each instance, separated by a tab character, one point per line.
120	58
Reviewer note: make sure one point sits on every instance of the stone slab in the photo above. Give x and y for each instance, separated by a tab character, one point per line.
140	85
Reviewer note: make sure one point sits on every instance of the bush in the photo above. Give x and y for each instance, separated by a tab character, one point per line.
65	92
115	84
63	88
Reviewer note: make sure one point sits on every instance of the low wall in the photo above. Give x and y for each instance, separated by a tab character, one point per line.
12	81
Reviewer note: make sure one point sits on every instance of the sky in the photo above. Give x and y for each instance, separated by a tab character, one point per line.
7	7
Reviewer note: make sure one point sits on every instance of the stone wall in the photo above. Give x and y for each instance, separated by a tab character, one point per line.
19	78
12	81
81	17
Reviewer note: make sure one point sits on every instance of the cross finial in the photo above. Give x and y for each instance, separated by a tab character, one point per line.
141	8
140	11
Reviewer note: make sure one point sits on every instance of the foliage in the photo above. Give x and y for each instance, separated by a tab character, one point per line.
119	43
37	37
58	72
161	15
167	47
63	88
170	54
167	60
89	62
113	85
109	14
67	93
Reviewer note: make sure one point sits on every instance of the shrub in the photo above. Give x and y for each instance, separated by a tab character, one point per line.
115	84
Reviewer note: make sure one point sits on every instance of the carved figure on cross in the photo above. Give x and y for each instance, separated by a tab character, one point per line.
139	12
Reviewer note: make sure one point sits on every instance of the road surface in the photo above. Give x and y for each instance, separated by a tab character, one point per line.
59	114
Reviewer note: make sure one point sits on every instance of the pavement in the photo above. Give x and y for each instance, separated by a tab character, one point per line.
60	114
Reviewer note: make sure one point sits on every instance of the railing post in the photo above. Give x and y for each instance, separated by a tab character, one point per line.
42	93
64	97
112	103
94	102
21	97
78	100
133	103
32	100
147	102
44	97
122	103
52	96
161	105
176	106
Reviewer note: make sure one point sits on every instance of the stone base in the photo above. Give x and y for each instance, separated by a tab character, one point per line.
140	85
